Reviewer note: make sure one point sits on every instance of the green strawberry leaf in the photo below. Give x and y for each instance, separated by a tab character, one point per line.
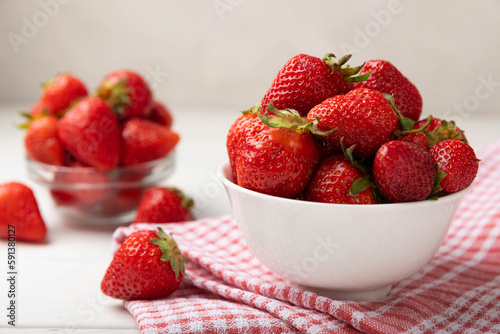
171	252
290	119
359	78
405	124
254	109
359	186
437	187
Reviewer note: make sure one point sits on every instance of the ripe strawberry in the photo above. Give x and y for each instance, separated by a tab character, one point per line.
127	93
419	138
332	183
363	117
164	205
327	147
41	141
59	93
306	81
417	134
235	136
403	172
386	78
91	132
19	212
271	158
148	265
458	160
89	186
122	201
40	108
161	114
144	140
440	129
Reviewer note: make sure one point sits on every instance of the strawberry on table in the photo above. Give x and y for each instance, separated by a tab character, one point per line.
332	183
127	93
41	141
19	208
144	140
164	205
277	158
403	172
91	132
458	160
305	81
386	78
148	265
61	92
363	117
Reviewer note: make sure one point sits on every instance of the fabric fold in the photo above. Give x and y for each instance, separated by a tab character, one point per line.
226	289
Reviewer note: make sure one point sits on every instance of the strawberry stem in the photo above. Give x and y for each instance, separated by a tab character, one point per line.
437	187
254	109
359	186
116	96
290	119
171	252
346	71
186	201
448	130
429	120
405	124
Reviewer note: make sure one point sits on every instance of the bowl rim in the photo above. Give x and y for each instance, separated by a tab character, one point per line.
54	168
167	161
224	168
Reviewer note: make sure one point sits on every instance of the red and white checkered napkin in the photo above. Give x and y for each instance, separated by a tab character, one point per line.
227	290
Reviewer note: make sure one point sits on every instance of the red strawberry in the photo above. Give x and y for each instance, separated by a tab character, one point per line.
59	93
386	78
419	138
332	183
417	134
41	141
41	108
363	117
235	135
19	212
123	201
440	129
306	81
403	172
458	160
273	160
147	265
164	205
88	186
327	147
161	114
144	140
91	132
127	93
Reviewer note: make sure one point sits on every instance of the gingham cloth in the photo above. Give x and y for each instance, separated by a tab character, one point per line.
227	290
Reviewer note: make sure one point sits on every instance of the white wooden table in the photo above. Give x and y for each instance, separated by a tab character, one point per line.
58	287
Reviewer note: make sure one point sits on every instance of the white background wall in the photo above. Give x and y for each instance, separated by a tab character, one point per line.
225	53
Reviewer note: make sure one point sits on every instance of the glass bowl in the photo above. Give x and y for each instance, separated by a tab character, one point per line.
87	195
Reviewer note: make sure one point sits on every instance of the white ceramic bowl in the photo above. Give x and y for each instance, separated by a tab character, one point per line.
349	252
